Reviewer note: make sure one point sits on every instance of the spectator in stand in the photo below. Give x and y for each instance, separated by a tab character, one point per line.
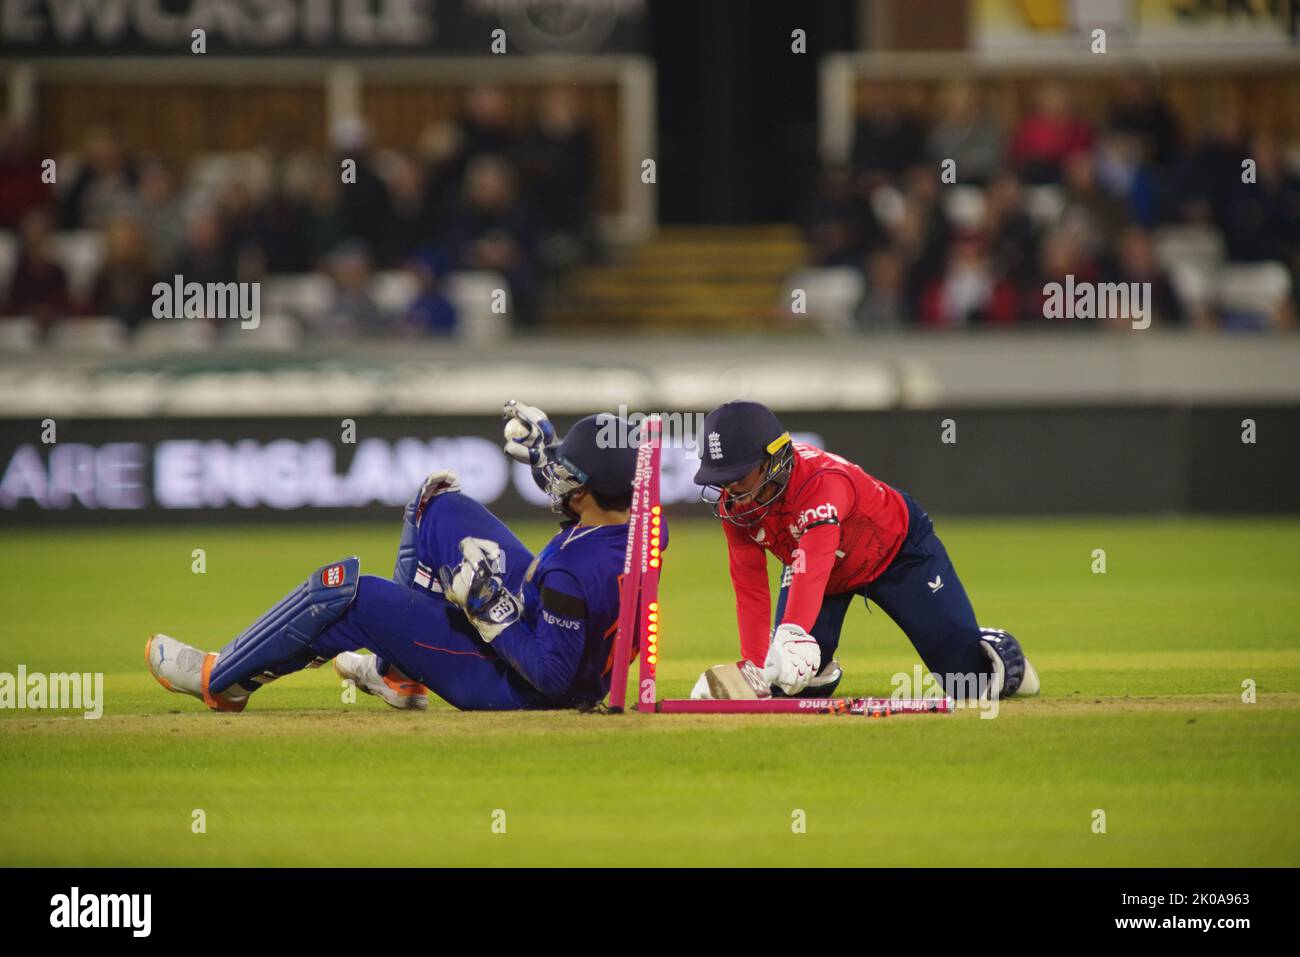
557	166
1047	135
283	222
969	292
1009	230
841	227
1140	110
921	233
1092	213
884	305
39	286
410	228
324	220
966	133
206	256
431	313
1135	262
354	313
21	189
1205	181
888	139
493	229
241	231
1060	255
1261	220
104	186
485	128
124	287
365	202
160	212
1124	173
440	148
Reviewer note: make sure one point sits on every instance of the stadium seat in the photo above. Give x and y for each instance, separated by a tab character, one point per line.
832	295
8	261
97	334
1198	246
174	335
965	206
81	254
1250	294
1044	204
19	334
307	296
471	293
394	290
274	333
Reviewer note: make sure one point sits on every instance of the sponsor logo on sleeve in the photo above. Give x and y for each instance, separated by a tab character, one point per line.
558	622
826	512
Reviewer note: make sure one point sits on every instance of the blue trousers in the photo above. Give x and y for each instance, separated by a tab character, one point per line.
406	623
939	621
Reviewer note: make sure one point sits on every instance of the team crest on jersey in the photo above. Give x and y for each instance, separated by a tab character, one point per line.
332	577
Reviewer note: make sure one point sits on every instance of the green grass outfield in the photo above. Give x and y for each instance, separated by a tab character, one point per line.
1141	717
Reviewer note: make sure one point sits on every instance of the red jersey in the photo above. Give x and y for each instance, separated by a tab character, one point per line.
847	525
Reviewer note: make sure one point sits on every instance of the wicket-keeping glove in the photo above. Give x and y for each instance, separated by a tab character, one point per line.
530	436
477	585
793	658
443	480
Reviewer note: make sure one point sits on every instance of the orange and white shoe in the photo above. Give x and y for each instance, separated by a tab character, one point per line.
395	688
185	669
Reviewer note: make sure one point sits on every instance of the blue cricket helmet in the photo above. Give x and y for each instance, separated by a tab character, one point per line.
600	452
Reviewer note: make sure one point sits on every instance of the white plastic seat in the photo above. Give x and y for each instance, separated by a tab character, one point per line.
97	334
394	290
1255	288
831	295
19	334
965	206
307	296
1198	246
174	335
471	293
8	261
1044	204
274	333
81	254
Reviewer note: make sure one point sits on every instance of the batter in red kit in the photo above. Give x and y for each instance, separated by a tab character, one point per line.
839	533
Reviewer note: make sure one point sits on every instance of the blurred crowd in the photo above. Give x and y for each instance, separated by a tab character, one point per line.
1044	197
484	192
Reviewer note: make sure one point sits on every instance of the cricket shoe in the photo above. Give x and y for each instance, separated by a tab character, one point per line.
184	669
1012	672
395	688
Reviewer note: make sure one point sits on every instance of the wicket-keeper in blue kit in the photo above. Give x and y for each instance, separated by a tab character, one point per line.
469	613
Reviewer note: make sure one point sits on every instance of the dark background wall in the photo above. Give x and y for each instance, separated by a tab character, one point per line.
1112	460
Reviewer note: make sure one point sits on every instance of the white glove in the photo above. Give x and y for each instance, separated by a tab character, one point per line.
529	434
443	480
793	658
477	586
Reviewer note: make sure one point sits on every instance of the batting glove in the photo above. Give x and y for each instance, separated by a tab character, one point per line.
477	585
529	434
793	658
